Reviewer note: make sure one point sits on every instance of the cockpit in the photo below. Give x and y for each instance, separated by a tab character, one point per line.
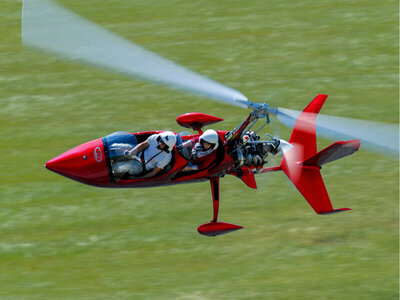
116	146
125	167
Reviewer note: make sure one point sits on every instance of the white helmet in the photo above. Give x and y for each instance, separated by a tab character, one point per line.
169	139
210	136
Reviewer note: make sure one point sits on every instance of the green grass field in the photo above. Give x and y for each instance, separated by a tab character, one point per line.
63	240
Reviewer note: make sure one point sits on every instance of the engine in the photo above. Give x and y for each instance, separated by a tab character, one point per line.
251	152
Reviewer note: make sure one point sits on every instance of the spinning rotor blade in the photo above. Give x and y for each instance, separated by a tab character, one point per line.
379	137
50	27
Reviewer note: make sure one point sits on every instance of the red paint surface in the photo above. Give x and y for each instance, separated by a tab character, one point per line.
333	152
247	177
193	120
72	164
217	228
307	177
87	163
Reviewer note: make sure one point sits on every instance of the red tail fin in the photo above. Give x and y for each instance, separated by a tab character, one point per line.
302	163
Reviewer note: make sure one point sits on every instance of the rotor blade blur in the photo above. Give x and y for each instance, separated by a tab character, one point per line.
378	137
52	28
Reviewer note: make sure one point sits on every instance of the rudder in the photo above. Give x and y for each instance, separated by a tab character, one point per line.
302	163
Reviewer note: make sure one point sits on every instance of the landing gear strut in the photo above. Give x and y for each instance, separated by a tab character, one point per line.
214	227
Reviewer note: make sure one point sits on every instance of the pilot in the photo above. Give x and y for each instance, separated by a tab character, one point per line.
155	153
207	143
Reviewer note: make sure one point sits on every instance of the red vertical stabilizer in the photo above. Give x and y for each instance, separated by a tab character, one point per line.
302	163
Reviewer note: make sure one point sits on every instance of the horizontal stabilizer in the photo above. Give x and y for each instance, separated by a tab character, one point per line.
333	152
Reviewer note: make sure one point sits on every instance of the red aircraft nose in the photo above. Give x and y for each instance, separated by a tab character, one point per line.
85	163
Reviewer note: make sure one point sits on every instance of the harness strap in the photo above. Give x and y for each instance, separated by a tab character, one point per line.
145	163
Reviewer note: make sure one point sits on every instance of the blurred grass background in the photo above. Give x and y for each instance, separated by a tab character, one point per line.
63	240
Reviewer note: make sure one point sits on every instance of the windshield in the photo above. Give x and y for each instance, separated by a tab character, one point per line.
116	146
117	143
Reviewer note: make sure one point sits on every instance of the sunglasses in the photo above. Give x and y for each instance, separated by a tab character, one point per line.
159	140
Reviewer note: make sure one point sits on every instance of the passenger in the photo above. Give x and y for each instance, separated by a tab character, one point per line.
155	153
207	143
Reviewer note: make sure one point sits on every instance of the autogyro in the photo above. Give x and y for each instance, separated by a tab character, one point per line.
242	152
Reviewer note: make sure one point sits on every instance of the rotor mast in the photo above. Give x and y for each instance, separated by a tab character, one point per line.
260	111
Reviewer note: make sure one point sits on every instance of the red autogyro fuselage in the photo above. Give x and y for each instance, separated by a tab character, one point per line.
240	152
92	162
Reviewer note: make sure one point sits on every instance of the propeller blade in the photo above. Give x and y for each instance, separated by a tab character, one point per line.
284	146
53	28
378	137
